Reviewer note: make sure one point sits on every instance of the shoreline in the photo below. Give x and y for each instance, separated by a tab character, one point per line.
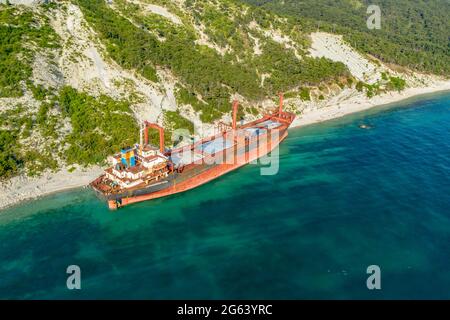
346	105
22	188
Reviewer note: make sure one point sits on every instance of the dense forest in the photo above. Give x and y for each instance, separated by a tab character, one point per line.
415	34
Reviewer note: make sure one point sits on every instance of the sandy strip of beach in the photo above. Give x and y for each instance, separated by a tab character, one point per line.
345	104
23	188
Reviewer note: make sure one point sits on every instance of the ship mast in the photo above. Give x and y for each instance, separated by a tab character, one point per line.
280	108
235	112
141	137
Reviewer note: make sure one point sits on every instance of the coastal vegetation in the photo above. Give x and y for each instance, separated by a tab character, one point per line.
387	83
305	94
134	41
99	127
396	83
19	32
9	163
413	34
173	123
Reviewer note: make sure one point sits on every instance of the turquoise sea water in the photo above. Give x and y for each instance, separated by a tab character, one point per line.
345	198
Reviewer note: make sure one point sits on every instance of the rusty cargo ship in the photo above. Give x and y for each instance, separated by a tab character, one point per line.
144	172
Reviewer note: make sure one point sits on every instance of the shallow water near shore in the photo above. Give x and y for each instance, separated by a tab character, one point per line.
345	198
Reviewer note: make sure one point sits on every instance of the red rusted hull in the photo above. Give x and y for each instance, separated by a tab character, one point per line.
240	145
200	179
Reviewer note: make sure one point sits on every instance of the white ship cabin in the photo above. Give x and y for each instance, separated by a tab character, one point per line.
151	157
129	176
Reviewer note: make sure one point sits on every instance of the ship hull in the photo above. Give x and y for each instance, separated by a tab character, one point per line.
201	179
241	151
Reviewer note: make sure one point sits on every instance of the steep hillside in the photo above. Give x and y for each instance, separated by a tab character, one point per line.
72	72
415	34
77	76
215	49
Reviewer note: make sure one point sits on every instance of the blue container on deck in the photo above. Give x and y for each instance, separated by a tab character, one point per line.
128	159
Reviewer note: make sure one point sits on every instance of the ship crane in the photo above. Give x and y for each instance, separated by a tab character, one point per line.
225	127
147	125
280	108
281	115
235	111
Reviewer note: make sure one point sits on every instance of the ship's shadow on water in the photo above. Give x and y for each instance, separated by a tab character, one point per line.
345	198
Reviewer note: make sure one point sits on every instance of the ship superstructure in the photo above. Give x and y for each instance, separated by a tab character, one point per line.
137	166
